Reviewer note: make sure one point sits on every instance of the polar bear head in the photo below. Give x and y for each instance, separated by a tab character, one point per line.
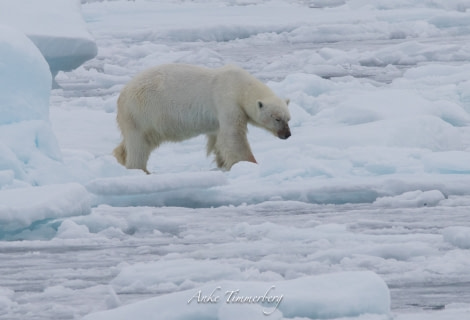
274	116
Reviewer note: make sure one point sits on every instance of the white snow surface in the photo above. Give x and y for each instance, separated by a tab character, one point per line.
345	294
28	146
56	27
370	191
25	81
20	208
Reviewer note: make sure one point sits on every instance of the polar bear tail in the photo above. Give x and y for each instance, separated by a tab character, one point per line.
120	153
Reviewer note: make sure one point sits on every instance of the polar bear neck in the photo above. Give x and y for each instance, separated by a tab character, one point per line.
253	92
245	89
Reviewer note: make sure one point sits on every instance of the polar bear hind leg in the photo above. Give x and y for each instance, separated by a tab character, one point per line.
120	153
138	147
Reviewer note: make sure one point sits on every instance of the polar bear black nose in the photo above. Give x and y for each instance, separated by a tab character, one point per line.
284	134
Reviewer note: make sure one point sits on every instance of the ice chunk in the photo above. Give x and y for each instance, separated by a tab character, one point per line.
26	138
458	236
6	302
6	176
56	27
159	276
327	296
21	208
450	162
70	230
412	199
451	311
224	24
155	183
180	189
25	80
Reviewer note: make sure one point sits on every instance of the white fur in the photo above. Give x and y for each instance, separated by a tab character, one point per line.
176	102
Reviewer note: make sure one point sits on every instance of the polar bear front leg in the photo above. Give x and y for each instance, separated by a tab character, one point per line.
230	147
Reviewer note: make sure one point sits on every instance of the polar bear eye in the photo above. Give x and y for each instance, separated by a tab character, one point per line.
278	120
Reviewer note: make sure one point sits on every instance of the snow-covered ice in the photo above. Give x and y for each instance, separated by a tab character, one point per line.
56	27
345	294
25	81
27	142
363	210
25	207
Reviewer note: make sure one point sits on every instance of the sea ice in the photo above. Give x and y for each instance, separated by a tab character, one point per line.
25	79
56	27
26	138
457	236
329	296
22	207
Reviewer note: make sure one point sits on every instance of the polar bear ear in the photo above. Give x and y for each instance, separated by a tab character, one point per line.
287	101
260	104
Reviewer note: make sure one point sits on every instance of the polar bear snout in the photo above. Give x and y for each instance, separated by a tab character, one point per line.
284	133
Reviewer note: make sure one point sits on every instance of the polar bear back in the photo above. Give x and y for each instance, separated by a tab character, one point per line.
172	100
178	101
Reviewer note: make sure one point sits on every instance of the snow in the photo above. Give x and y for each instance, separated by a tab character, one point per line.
154	184
43	203
336	295
412	199
27	87
457	236
361	214
27	142
188	189
56	27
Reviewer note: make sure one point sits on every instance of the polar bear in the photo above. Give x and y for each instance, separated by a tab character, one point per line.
175	102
